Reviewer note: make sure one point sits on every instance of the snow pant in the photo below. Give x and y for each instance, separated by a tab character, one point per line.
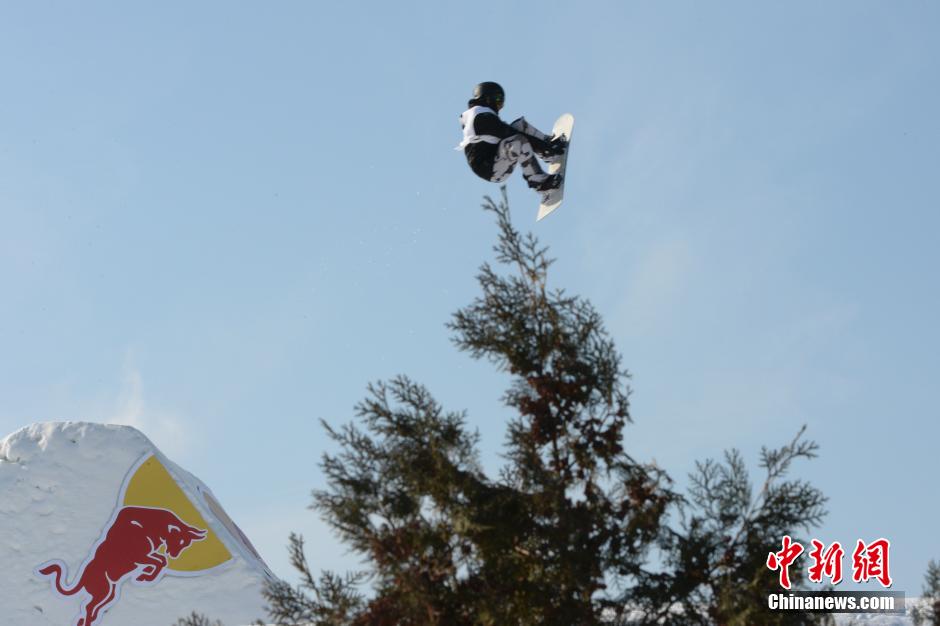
517	149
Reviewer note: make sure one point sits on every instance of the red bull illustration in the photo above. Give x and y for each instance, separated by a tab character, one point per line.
155	530
130	549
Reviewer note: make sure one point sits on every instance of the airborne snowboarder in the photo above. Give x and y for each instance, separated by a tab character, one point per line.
493	147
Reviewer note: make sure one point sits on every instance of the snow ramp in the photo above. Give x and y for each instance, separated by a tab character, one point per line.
99	528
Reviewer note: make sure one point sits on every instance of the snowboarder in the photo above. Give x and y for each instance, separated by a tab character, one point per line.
493	147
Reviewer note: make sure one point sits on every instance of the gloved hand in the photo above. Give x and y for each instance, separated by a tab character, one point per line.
556	147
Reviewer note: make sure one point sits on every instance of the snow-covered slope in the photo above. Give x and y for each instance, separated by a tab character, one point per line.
100	502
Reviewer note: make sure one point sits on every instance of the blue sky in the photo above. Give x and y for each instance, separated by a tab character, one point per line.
219	223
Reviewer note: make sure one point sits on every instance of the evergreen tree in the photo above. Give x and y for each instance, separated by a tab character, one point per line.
715	560
928	610
196	619
566	532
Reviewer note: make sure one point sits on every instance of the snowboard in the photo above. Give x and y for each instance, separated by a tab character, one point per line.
562	127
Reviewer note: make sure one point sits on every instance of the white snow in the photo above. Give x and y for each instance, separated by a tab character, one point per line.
59	488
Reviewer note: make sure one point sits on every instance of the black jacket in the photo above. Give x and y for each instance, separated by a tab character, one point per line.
482	155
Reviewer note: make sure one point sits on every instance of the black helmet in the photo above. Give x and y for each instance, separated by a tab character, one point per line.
489	94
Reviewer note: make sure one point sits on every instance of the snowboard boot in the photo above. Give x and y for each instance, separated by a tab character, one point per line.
545	185
551	181
557	147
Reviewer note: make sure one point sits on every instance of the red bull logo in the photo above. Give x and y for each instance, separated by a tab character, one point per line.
155	530
130	549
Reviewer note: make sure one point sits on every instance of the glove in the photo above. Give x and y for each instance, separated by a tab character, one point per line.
556	146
